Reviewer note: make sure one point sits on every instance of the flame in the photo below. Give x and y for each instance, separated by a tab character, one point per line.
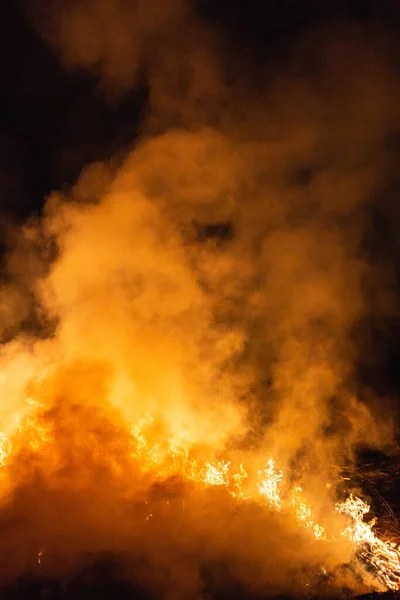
164	458
382	557
303	512
269	484
5	449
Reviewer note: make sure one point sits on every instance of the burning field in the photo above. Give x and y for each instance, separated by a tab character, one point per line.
83	485
183	408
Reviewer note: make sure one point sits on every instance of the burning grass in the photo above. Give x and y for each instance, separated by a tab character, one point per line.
78	480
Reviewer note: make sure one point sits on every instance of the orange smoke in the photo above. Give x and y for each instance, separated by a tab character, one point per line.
73	449
189	390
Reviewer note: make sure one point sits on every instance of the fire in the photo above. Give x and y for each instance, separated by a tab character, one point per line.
217	474
269	484
304	514
383	558
163	458
5	449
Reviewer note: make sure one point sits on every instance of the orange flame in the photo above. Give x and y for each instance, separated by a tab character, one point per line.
165	459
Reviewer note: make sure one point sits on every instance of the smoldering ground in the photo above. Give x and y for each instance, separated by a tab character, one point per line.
212	275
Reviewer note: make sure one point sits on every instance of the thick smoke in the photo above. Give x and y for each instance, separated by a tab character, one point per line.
212	277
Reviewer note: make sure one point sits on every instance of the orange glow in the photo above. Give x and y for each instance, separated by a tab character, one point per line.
163	459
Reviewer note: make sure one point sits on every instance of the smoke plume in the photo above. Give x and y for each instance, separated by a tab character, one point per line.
212	276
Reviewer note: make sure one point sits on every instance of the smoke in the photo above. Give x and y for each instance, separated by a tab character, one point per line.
211	276
160	45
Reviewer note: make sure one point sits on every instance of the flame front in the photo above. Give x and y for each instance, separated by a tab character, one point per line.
382	557
164	459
